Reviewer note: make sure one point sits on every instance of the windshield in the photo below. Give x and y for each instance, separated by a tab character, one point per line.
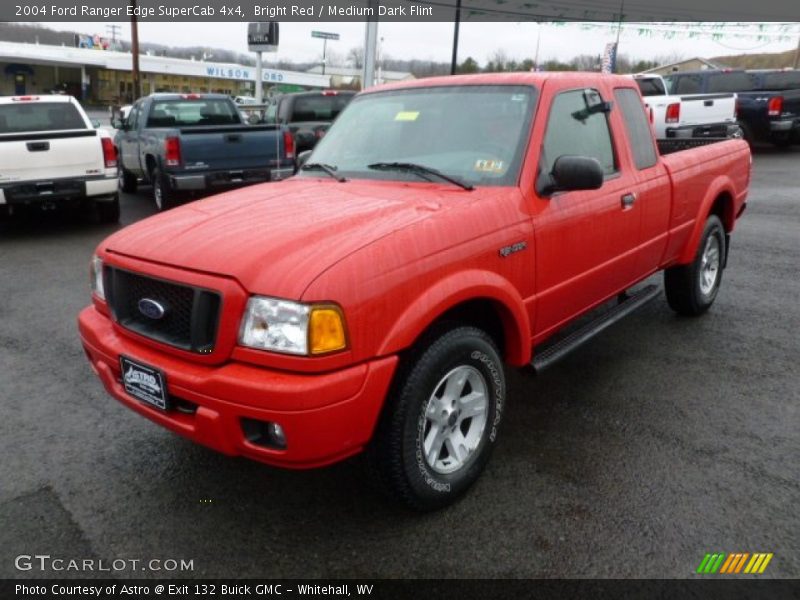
185	113
39	116
475	133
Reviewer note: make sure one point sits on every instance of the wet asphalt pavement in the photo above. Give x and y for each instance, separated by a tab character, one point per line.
661	440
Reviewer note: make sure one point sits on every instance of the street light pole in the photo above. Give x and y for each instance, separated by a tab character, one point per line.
137	83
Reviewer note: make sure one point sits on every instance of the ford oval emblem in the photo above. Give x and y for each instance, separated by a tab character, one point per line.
151	309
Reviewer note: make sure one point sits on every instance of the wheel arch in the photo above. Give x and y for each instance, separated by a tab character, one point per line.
479	298
719	201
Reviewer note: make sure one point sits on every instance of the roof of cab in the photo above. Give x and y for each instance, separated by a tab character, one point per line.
36	98
536	79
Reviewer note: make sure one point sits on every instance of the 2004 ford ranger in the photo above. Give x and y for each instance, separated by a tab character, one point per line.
443	230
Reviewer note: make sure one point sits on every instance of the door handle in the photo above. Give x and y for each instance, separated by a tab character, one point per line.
628	200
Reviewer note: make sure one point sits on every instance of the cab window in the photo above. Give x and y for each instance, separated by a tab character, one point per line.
578	125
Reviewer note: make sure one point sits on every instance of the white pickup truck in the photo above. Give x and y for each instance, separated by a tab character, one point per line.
687	117
51	155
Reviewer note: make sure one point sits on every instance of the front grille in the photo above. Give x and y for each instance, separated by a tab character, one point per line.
190	316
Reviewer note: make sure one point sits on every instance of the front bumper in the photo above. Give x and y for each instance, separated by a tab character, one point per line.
325	417
56	190
226	179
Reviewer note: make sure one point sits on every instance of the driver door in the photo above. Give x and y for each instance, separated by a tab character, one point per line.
586	241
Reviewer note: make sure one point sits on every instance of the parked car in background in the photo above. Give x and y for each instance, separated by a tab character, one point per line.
196	144
768	101
52	155
309	114
690	116
442	230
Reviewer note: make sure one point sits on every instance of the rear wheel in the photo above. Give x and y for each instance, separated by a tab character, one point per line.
127	181
441	421
691	289
163	194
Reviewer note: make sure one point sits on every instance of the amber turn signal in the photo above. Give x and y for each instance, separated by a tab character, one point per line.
326	331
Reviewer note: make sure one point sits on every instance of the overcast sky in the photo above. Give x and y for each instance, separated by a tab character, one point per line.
434	40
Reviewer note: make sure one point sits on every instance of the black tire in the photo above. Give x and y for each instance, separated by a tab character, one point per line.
687	294
127	181
107	212
396	456
747	133
163	195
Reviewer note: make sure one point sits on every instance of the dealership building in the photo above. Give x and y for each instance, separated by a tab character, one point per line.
104	76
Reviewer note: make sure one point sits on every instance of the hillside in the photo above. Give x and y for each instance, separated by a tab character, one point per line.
774	60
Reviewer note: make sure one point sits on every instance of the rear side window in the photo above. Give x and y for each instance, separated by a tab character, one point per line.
730	82
637	127
651	87
24	117
574	127
687	84
185	113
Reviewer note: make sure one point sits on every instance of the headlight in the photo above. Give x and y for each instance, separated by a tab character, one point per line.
96	276
292	327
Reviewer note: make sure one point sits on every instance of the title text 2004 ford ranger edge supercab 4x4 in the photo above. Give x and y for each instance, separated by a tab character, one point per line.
441	230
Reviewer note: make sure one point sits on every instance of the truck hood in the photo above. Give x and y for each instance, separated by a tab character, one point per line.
276	238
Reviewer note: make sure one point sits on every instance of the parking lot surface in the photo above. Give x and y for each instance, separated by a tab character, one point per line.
663	439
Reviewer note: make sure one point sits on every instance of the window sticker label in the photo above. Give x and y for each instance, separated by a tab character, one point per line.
406	115
489	166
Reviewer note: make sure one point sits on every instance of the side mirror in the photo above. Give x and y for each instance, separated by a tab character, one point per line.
302	158
254	118
572	173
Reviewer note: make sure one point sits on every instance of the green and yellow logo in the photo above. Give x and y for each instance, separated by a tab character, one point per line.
730	564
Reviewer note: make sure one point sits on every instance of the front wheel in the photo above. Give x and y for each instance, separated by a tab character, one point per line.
127	181
442	420
691	289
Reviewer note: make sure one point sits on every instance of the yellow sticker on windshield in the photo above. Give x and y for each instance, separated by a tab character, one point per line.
406	115
489	166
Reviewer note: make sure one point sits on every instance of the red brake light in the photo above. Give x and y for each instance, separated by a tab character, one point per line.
172	151
191	96
288	144
674	113
330	93
775	106
24	98
109	152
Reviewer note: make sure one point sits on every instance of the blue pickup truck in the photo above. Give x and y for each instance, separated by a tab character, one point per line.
768	100
195	144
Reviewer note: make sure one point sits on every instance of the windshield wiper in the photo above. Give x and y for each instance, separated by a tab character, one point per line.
329	169
419	170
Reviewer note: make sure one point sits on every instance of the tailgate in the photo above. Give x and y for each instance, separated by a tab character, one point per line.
708	108
54	155
237	147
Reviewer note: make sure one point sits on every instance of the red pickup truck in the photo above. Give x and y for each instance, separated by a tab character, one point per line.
442	231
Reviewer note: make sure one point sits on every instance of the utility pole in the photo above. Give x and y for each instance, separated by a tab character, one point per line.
137	82
454	61
619	32
797	55
113	31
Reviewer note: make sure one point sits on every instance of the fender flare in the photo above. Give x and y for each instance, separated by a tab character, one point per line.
456	289
719	186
